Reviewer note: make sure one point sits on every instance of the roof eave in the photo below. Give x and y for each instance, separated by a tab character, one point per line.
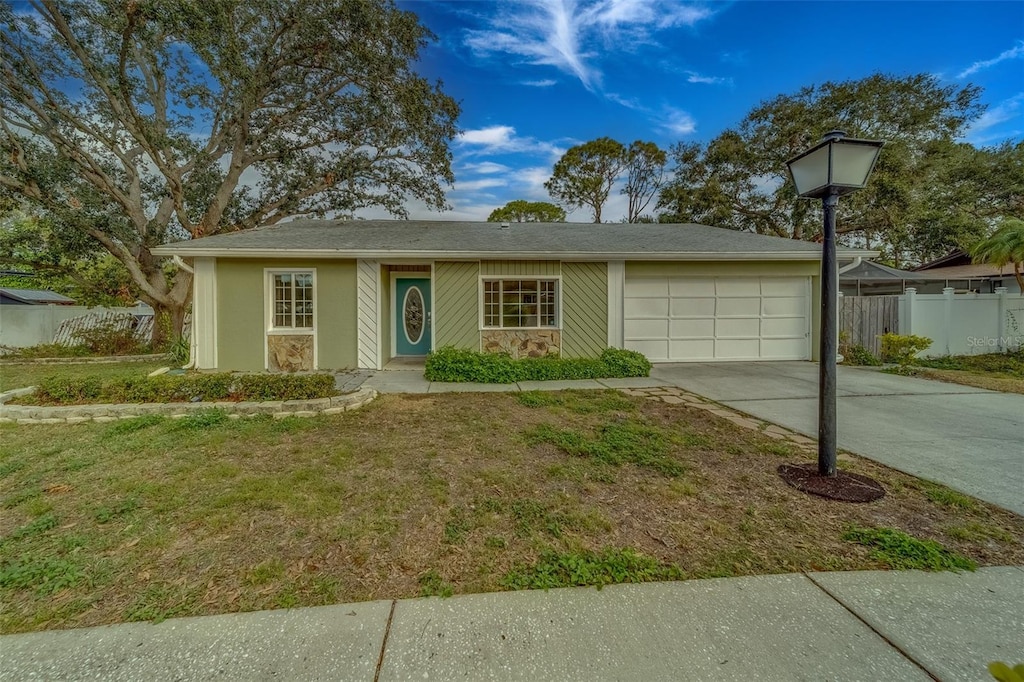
506	255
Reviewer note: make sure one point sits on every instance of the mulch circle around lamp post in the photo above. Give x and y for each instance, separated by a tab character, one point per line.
844	486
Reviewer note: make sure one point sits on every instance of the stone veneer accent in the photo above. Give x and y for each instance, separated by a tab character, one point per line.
290	353
522	343
76	414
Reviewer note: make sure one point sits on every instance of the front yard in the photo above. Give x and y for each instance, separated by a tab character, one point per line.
14	374
434	494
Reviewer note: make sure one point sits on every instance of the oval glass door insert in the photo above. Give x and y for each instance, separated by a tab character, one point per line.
412	315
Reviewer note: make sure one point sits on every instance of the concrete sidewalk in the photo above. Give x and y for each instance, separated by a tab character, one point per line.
871	625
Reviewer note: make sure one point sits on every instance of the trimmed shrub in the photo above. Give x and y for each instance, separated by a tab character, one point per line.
194	387
458	365
903	348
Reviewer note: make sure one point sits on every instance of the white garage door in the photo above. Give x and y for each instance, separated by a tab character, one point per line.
671	319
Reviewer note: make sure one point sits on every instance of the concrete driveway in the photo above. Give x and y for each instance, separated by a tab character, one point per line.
967	438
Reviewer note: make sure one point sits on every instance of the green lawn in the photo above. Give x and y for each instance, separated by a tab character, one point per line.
433	494
20	374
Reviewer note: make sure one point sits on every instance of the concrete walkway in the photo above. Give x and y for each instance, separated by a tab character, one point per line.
967	438
871	625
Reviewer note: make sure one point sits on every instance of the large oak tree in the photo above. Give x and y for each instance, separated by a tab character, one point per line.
929	192
129	123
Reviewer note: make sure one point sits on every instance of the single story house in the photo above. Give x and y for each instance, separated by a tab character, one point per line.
323	294
959	271
15	296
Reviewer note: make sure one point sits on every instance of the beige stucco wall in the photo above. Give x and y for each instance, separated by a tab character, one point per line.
241	312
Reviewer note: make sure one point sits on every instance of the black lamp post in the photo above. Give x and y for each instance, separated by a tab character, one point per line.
837	165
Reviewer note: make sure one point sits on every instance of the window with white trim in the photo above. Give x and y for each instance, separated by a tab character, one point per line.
520	303
292	300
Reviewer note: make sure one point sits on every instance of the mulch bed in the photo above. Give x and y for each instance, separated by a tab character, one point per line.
844	486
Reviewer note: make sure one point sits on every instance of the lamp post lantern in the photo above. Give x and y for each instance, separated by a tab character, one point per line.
837	165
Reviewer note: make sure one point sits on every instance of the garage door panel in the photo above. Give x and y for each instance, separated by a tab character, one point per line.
683	286
655	286
738	327
789	327
688	329
788	305
741	286
718	318
641	308
739	306
693	307
649	329
784	286
781	349
693	349
737	349
654	350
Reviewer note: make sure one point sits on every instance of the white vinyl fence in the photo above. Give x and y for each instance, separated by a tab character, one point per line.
964	324
30	325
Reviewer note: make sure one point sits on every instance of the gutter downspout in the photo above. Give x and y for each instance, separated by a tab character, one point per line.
193	337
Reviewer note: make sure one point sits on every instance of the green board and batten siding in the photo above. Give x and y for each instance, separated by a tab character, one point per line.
241	311
584	301
456	304
584	309
519	268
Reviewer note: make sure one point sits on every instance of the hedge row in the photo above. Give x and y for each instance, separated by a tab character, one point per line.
453	364
183	388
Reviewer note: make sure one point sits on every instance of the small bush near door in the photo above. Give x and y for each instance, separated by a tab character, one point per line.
457	365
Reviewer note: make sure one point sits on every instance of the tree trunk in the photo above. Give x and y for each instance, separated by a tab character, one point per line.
168	322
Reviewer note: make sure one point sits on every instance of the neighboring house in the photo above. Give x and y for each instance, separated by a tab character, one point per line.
868	278
331	294
12	296
958	271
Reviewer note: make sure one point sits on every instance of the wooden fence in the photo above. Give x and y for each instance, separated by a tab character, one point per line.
866	318
141	326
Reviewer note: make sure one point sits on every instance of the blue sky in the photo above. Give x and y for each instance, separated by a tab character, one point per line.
535	77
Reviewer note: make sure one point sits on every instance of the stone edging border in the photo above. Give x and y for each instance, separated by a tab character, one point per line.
677	396
77	414
102	360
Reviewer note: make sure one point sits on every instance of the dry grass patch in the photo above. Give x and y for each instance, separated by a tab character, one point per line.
992	382
436	494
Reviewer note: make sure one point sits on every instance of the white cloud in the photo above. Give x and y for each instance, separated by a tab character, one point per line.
499	139
555	32
492	136
694	77
677	122
1015	52
546	83
628	102
485	168
1006	110
477	185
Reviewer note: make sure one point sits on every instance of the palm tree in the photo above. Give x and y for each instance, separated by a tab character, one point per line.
1005	245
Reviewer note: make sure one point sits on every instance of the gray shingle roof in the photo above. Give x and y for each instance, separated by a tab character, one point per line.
36	295
438	239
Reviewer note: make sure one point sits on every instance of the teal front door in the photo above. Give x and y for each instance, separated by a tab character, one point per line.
412	316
